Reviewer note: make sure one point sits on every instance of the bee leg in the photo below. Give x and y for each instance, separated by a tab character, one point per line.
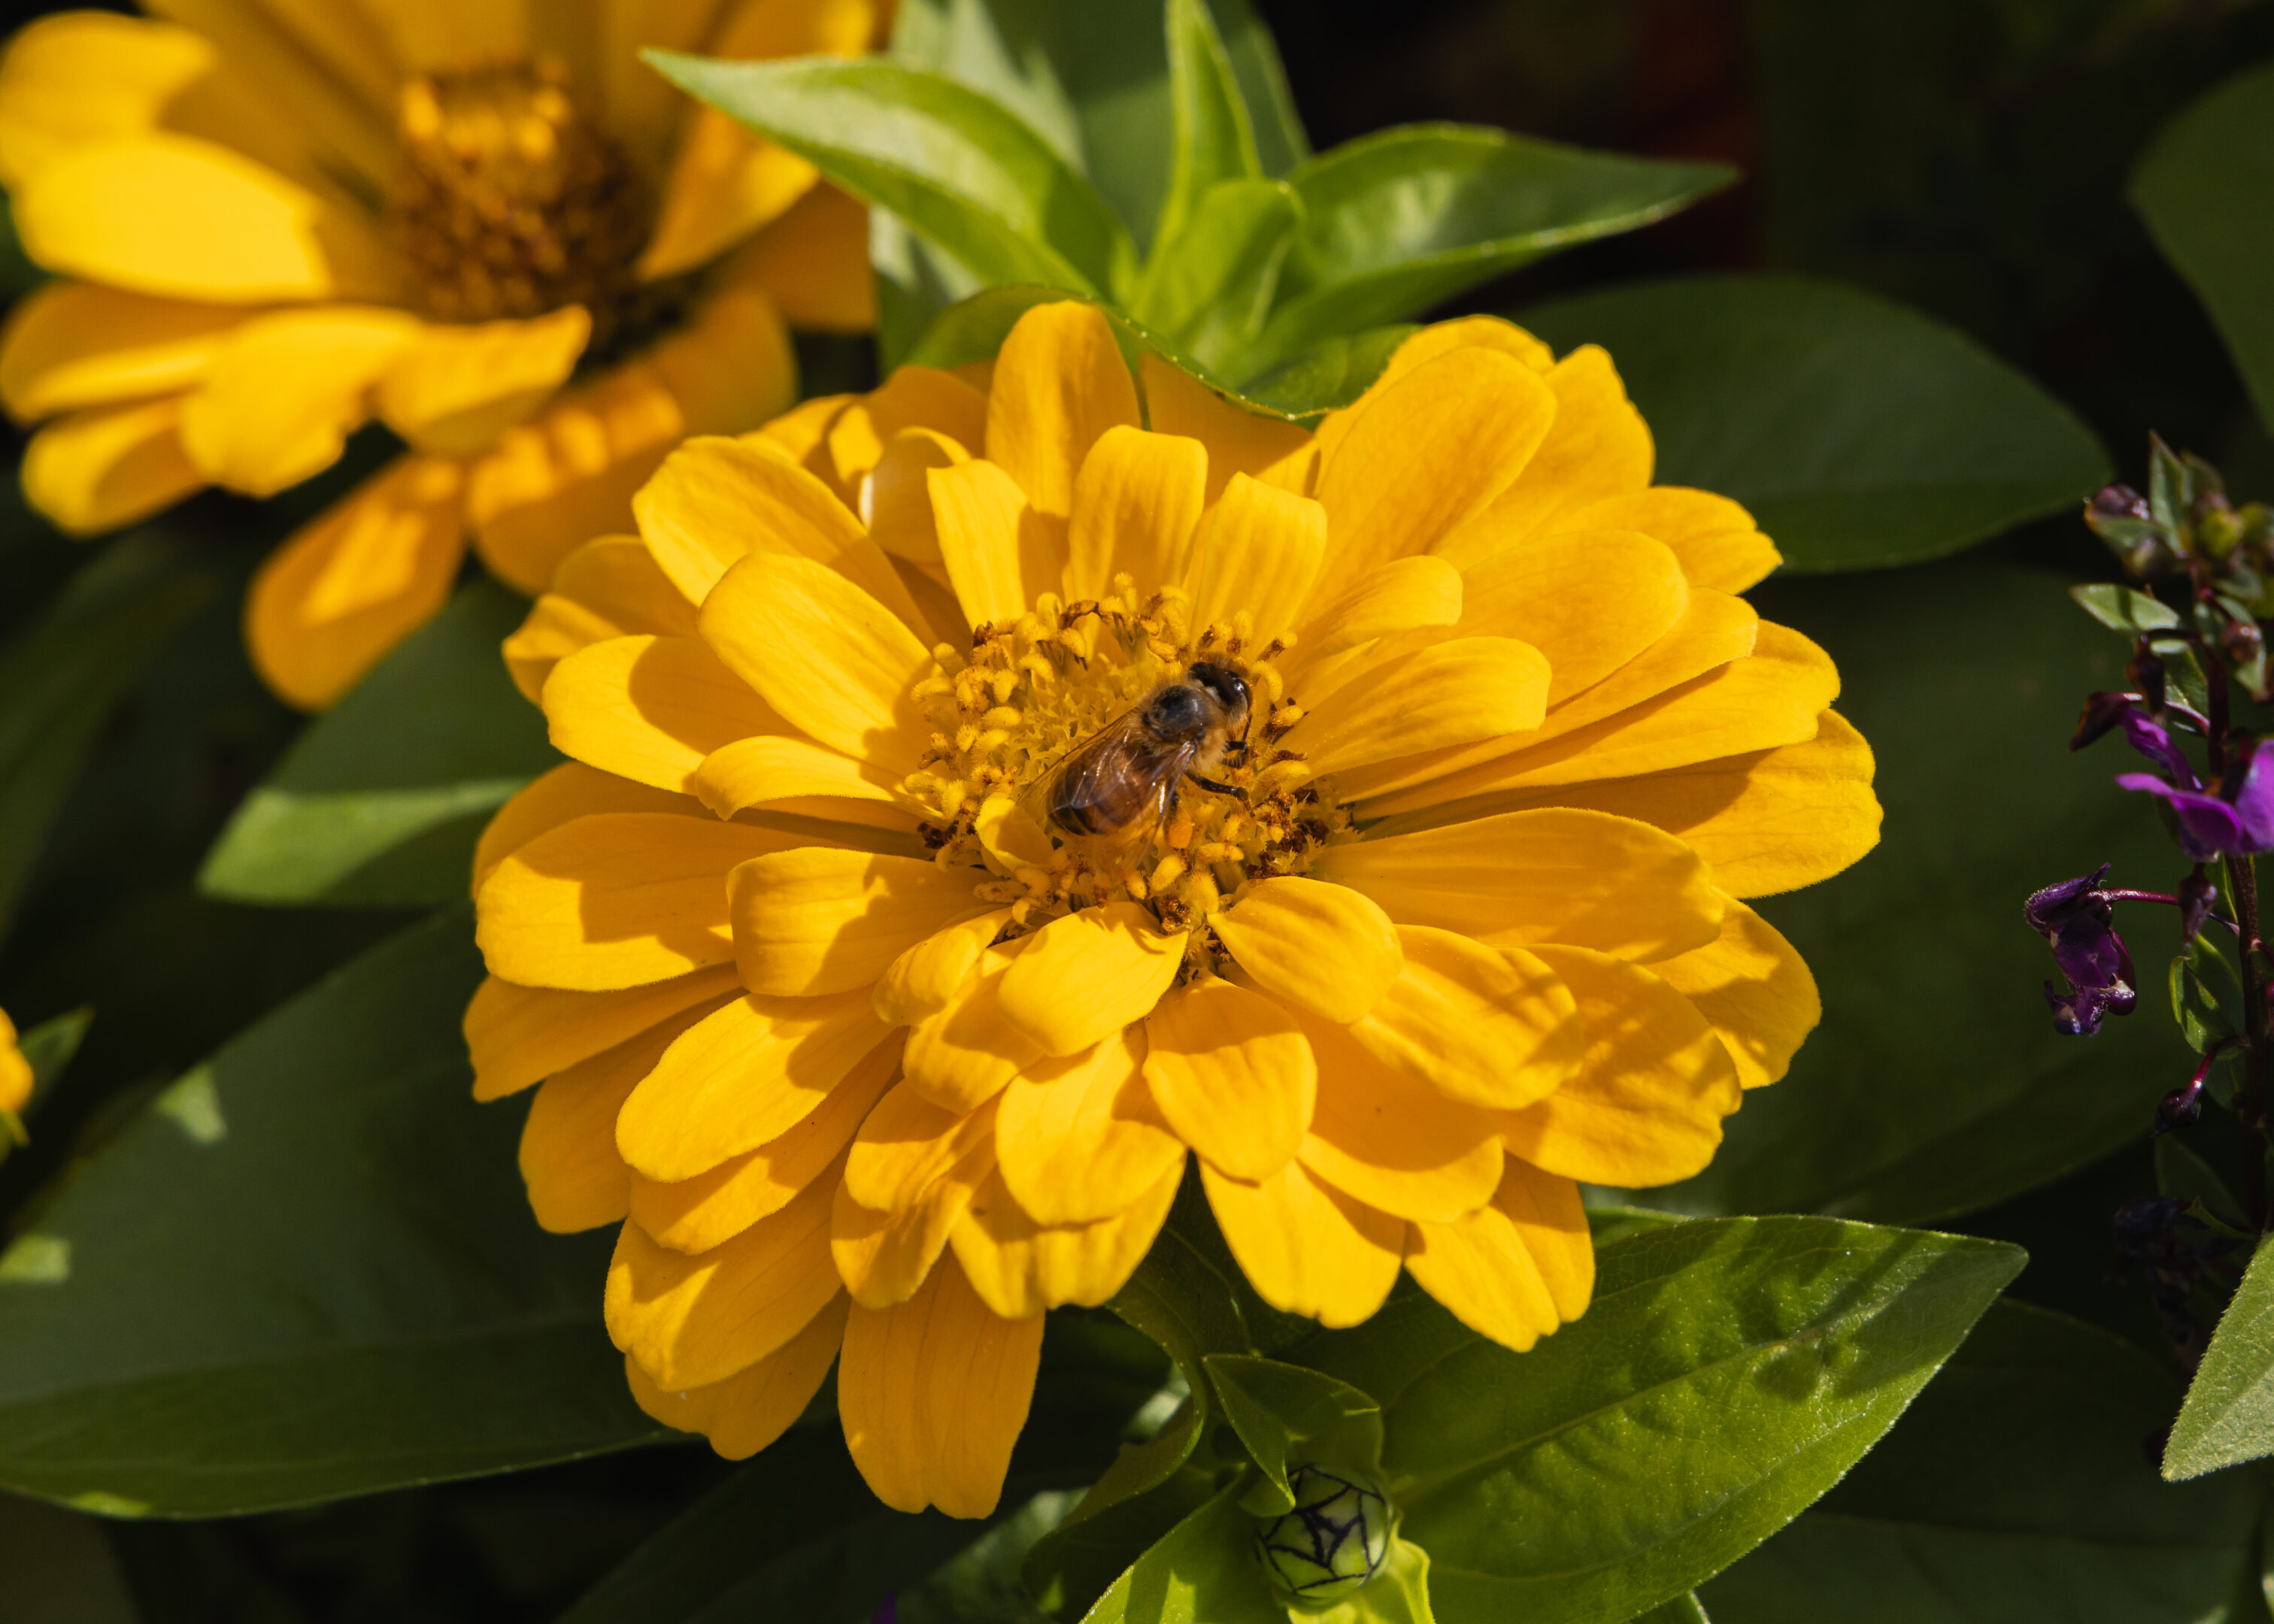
1210	783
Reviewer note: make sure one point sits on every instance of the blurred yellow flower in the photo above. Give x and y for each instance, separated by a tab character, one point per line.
485	223
15	1070
875	1060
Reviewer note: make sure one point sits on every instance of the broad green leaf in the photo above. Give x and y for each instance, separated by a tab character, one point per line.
1208	288
1401	221
2121	609
2202	188
1726	1374
1211	140
2229	1414
979	1585
1681	1609
2015	1489
1965	678
1285	1414
47	1048
960	169
307	1270
382	799
1332	373
1860	434
62	676
2205	995
915	281
1202	1571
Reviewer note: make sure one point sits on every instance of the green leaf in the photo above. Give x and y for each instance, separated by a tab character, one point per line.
1965	678
1860	434
2202	188
1727	1373
2121	609
2229	1414
1681	1609
1211	140
47	1048
1332	373
2204	989
307	1270
1399	1594
1401	221
960	169
2015	1489
62	675
2182	1174
1285	1414
1207	290
382	799
1203	1571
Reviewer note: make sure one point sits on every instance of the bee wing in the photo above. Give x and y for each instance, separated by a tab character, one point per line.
1119	780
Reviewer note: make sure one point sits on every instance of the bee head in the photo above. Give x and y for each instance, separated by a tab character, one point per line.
1223	684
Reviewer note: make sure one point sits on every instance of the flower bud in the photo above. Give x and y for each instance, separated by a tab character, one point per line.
2119	501
1335	1539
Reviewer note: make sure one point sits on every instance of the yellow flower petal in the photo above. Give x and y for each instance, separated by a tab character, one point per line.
1404	595
1081	1145
999	551
884	1254
1394	1143
750	1073
914	399
795	775
349	585
1136	503
520	1035
1516	1269
1714	630
1260	550
550	485
572	790
1090	974
171	214
817	920
610	587
1020	1267
1767	822
922	980
1452	693
731	367
1491	1029
1755	990
620	899
1712	536
906	1144
1325	948
456	387
1239	441
84	78
694	1214
834	661
1233	1075
109	465
1059	384
693	1320
965	1052
897	493
715	501
650	708
71	344
1431	451
1599	447
1589	600
752	1408
1552	875
15	1080
813	263
576	1181
932	1393
725	184
1646	1107
1306	1247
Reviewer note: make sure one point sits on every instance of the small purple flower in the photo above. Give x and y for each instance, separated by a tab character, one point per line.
2233	817
2079	920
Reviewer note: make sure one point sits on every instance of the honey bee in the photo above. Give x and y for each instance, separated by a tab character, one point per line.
1123	782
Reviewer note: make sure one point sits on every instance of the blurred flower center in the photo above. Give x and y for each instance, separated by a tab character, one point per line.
1026	697
511	202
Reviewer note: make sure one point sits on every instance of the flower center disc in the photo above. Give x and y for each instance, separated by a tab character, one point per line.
1028	695
510	202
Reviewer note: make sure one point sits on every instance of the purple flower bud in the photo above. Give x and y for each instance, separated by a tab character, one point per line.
2119	501
2078	920
2153	741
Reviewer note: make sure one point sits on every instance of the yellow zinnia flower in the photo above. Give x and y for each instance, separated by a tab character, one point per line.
487	224
15	1070
874	1065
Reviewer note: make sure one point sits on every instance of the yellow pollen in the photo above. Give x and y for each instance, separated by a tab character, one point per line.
1028	694
510	202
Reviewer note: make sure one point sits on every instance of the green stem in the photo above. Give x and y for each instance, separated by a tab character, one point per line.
2258	1062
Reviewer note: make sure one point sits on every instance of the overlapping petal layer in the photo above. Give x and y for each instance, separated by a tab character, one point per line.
1443	925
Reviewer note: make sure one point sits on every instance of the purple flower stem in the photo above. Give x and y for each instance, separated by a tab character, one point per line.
2169	900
